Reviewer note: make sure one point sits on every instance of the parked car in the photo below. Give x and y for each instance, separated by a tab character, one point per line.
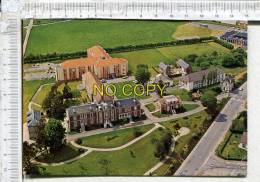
125	77
135	81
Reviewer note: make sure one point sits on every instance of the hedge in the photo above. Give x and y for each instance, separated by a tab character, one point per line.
63	56
224	44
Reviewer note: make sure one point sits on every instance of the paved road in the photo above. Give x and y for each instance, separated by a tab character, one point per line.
214	135
28	31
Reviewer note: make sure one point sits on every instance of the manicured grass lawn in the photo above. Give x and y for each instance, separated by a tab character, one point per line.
29	89
158	114
128	90
78	35
152	57
114	138
187	30
231	150
151	107
133	160
66	153
189	107
182	93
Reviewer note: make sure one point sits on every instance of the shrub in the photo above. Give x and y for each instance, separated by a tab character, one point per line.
79	141
80	150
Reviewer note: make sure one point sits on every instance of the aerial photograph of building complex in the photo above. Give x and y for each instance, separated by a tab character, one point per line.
134	98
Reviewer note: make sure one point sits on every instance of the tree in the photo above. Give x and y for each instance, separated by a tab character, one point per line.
29	153
208	99
54	134
163	146
142	74
191	58
228	60
67	94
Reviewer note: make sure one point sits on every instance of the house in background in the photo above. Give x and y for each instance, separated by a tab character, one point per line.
98	61
201	79
169	103
185	67
227	85
165	69
235	37
33	121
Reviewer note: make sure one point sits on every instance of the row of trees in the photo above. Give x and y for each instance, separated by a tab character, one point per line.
63	56
234	58
56	102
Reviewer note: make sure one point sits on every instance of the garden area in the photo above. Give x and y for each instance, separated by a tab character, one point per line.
114	138
229	148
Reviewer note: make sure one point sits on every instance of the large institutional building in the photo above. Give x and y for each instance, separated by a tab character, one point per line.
98	61
94	114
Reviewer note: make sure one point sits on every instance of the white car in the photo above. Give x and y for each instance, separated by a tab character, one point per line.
125	77
135	81
240	89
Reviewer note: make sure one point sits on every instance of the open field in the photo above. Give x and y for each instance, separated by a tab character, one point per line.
182	93
29	89
78	35
152	57
133	160
114	138
187	30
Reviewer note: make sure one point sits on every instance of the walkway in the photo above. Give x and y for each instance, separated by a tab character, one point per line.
90	149
182	131
157	125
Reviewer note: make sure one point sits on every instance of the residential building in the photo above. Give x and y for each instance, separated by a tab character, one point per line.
165	69
94	114
98	61
33	121
227	85
241	24
202	78
89	80
235	37
169	103
185	67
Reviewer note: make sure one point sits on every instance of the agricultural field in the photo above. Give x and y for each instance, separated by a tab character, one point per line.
189	31
114	138
78	35
152	57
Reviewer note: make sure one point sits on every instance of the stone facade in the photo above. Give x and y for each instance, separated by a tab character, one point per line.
169	103
94	114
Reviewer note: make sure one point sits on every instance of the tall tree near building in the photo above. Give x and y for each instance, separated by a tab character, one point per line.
142	74
54	134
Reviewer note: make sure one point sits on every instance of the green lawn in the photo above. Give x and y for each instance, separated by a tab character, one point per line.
78	35
38	99
189	107
186	31
67	152
231	149
133	160
29	89
182	93
114	138
128	90
151	107
152	57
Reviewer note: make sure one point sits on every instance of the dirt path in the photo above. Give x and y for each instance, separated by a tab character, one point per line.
28	31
